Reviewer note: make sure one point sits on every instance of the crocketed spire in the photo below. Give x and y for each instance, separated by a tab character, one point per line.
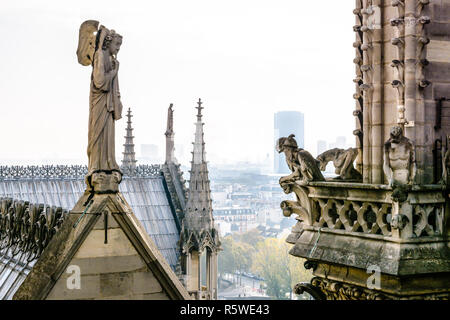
129	156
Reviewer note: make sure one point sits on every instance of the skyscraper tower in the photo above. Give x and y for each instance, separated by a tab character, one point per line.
198	234
129	156
286	123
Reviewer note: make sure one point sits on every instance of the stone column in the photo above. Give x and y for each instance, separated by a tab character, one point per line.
410	68
213	276
366	106
377	95
358	60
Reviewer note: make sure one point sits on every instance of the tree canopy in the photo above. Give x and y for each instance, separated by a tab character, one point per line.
266	257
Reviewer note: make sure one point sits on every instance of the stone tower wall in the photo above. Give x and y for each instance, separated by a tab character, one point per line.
402	59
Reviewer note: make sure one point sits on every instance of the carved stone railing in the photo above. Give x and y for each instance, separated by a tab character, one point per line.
142	170
43	172
27	228
367	209
349	231
335	290
68	171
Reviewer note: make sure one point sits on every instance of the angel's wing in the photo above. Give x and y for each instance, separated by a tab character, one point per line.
86	42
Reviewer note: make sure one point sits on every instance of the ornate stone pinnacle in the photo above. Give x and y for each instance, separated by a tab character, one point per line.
129	156
199	108
170	137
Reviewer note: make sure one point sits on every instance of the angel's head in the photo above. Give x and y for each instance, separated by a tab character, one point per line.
112	42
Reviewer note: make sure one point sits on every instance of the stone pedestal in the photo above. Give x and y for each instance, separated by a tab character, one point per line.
103	182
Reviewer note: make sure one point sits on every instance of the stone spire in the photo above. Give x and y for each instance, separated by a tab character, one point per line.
170	137
199	196
129	156
198	233
199	204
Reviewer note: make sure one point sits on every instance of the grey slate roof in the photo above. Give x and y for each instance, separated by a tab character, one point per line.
145	193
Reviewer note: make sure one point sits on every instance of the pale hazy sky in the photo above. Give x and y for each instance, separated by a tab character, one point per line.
246	59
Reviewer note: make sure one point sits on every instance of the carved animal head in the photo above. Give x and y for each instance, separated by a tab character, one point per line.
284	143
321	163
327	156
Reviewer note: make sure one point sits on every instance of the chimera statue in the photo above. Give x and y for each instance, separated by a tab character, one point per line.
302	164
342	161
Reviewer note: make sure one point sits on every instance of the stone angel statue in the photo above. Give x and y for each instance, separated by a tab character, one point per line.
99	47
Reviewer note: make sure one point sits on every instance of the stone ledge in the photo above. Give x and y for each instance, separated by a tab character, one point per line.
397	259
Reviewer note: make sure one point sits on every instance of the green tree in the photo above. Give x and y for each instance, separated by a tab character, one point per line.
280	270
226	259
251	237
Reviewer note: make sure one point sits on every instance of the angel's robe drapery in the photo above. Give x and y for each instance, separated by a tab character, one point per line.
104	108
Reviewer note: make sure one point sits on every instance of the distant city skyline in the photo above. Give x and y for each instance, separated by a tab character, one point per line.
286	123
244	71
322	146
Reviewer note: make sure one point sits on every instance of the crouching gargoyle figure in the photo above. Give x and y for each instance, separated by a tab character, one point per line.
399	159
302	164
446	165
342	161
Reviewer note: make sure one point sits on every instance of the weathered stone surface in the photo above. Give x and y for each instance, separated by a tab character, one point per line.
303	166
111	222
438	51
439	72
344	230
89	288
342	161
198	232
127	266
116	284
145	282
327	289
94	246
150	296
109	264
104	95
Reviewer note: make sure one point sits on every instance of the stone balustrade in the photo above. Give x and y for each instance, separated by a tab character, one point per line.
368	209
69	171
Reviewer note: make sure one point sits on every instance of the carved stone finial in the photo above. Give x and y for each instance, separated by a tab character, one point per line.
170	137
199	108
129	156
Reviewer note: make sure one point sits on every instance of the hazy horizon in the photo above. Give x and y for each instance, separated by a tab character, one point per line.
246	60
